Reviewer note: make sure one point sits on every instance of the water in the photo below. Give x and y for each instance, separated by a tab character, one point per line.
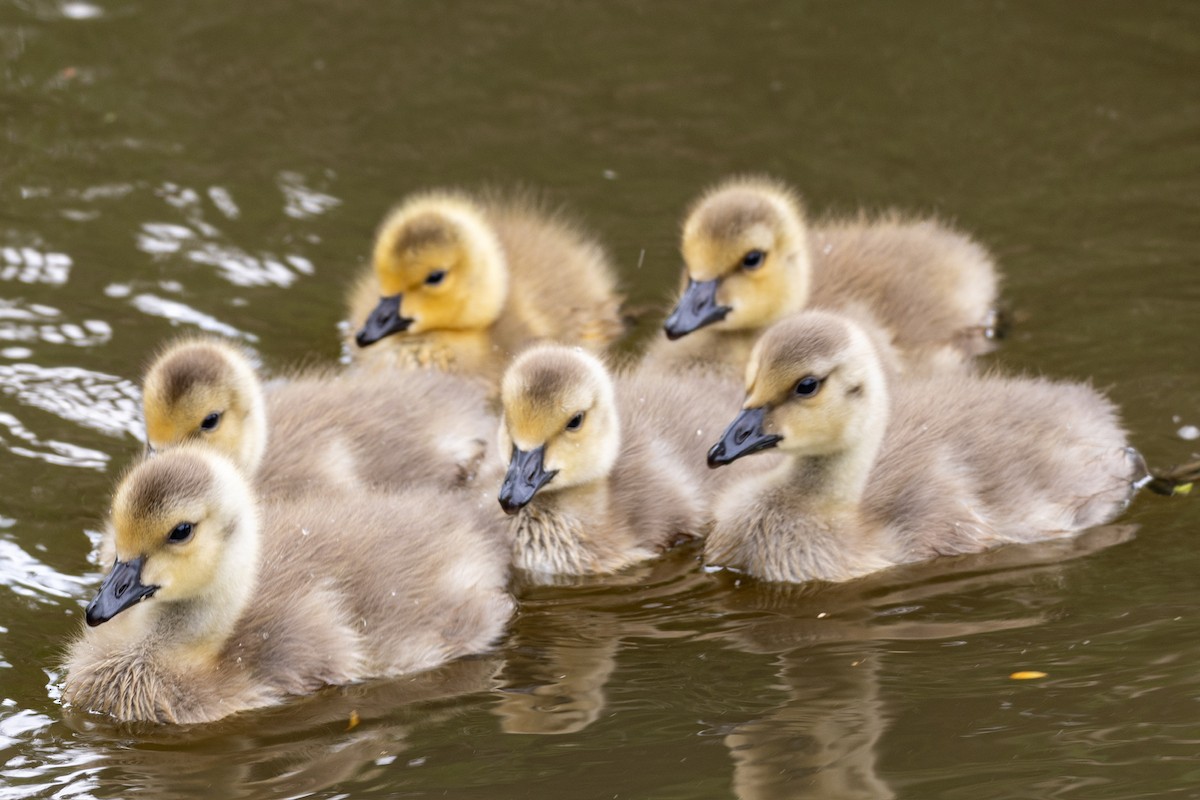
174	167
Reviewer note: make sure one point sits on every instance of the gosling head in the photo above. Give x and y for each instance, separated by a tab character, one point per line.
745	250
559	423
439	266
814	387
184	527
200	390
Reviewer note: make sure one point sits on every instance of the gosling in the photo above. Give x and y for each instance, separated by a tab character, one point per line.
215	606
462	283
604	473
751	259
319	430
878	474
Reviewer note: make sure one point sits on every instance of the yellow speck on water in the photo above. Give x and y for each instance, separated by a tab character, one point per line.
1027	675
354	720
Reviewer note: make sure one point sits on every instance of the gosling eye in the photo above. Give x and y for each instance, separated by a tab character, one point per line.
435	277
575	422
211	422
180	533
808	386
753	260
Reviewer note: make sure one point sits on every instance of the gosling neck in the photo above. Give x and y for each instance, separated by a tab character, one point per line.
198	627
567	532
798	268
246	397
793	242
255	430
489	290
840	479
587	500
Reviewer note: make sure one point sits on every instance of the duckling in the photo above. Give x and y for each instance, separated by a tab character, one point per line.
751	259
317	429
878	474
216	605
461	283
603	473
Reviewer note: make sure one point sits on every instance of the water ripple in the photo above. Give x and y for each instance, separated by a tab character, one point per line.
203	243
30	265
52	451
35	322
175	311
106	403
303	202
29	577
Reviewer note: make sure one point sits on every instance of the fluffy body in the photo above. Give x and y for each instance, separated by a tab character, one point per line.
322	591
516	272
632	480
933	289
319	430
931	465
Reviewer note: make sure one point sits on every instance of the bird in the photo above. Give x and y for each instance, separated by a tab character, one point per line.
320	429
462	282
604	471
751	259
217	603
879	472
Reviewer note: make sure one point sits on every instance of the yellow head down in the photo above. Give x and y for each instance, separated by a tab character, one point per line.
184	526
744	242
558	403
819	379
440	255
200	390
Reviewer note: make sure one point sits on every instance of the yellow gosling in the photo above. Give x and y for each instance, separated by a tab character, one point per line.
461	283
751	259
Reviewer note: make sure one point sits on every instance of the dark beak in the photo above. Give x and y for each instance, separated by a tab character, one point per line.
697	308
122	588
384	321
525	476
743	437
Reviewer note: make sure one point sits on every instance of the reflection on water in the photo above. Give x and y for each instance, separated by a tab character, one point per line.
28	577
181	313
822	742
170	168
20	441
105	403
28	265
563	647
41	323
202	243
342	733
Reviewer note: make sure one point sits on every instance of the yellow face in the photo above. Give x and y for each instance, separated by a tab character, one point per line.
815	378
201	415
559	399
748	265
445	265
204	392
167	513
751	239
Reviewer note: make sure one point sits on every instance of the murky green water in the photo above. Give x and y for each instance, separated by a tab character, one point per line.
221	166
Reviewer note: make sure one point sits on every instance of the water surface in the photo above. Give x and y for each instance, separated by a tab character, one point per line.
172	167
